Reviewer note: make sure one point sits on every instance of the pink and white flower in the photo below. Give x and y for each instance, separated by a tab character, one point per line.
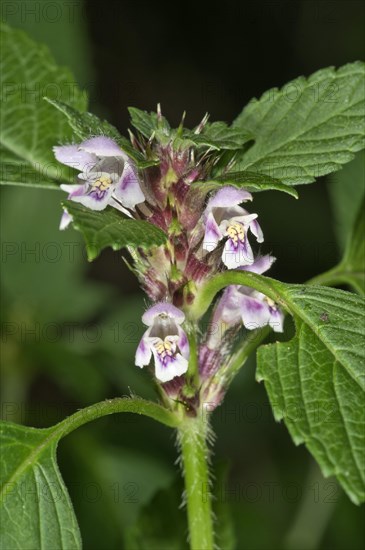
165	340
242	304
107	176
224	217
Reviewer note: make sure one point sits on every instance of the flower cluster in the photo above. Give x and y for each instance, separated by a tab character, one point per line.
205	236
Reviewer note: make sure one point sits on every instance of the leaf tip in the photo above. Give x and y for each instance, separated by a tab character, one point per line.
92	253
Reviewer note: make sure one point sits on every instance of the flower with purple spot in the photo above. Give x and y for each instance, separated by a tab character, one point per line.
107	176
243	304
224	217
165	340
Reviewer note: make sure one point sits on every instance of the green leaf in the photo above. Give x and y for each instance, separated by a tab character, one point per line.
14	171
218	135
36	510
29	125
315	381
309	128
109	228
144	122
351	270
223	136
252	181
35	506
66	37
86	125
148	123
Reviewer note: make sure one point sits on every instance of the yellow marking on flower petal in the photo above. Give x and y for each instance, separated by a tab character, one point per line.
236	232
270	302
164	348
103	183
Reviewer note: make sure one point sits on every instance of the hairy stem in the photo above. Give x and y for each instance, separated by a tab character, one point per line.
193	370
135	405
192	434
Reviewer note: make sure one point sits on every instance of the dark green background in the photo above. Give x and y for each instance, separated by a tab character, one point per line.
197	57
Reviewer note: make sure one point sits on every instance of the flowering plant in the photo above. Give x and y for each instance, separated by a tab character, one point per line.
182	202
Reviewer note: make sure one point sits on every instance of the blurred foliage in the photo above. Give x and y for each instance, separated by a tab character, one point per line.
161	525
346	190
276	497
61	25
